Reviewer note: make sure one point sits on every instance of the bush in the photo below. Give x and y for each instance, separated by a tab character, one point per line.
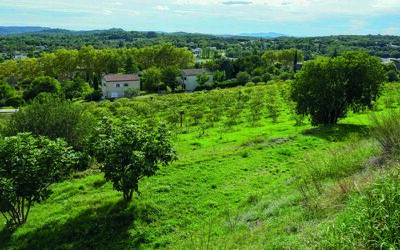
392	76
131	92
203	87
243	77
53	117
250	84
257	79
43	84
229	84
95	96
15	102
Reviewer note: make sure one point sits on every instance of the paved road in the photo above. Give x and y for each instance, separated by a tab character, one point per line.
8	111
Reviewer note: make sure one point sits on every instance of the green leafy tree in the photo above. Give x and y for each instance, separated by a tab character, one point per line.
43	84
202	78
243	77
53	117
219	76
129	153
28	167
6	92
151	79
130	66
169	75
75	89
392	76
326	88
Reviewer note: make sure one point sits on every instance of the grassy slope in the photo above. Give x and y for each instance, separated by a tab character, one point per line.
230	188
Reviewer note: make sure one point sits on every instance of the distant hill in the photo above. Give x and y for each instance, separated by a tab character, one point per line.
263	35
10	30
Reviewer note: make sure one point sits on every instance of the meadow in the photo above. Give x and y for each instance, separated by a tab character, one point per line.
250	174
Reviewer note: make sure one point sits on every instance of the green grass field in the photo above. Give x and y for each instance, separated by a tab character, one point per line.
243	180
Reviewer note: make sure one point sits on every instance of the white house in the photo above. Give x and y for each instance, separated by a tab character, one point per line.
188	77
113	86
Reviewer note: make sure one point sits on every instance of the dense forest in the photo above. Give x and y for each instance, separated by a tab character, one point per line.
35	43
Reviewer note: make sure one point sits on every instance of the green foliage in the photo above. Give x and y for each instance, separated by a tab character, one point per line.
219	76
372	219
43	84
257	79
74	89
202	78
129	153
243	77
151	79
267	77
130	66
28	166
15	102
53	117
169	75
131	92
327	88
386	130
95	96
392	75
6	92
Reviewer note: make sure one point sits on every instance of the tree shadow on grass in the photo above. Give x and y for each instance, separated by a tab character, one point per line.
338	132
106	227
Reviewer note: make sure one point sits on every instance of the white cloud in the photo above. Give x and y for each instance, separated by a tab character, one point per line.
162	7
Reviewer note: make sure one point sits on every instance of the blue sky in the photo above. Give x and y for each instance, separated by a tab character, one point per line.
292	17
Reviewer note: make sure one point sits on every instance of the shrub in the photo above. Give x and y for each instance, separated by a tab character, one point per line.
131	92
242	77
392	76
257	79
43	84
250	84
53	117
28	166
95	96
15	102
267	77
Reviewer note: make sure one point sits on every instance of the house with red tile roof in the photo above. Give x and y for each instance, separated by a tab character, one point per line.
113	86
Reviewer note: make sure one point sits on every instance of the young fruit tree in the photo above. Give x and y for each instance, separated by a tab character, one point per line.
327	88
28	167
130	152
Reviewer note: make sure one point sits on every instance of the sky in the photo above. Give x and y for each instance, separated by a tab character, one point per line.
290	17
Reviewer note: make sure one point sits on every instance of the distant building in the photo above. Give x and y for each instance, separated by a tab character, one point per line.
113	86
188	77
19	56
197	51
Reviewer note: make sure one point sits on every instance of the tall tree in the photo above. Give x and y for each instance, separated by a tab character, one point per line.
129	153
327	88
169	76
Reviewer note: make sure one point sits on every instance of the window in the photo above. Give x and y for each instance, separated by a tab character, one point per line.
126	85
117	85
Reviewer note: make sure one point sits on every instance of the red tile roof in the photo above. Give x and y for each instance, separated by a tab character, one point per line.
195	72
121	78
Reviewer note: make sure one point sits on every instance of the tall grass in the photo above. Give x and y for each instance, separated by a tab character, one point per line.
372	220
386	130
331	166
